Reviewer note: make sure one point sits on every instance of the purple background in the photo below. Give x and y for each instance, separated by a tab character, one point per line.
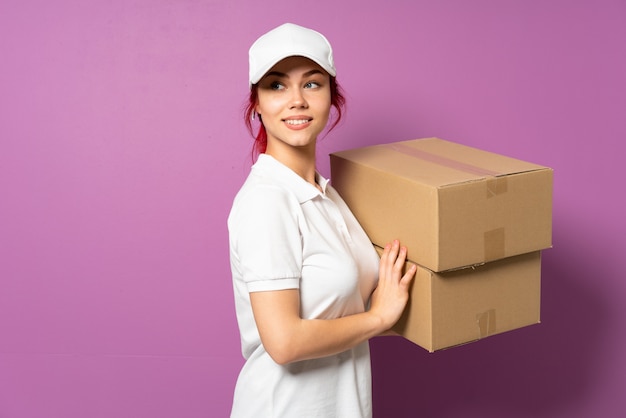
122	145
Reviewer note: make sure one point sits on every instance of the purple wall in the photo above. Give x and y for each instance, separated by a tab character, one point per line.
121	147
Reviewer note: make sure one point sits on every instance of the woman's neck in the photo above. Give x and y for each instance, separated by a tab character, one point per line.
301	160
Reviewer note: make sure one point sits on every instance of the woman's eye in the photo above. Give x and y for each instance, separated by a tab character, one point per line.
311	85
276	86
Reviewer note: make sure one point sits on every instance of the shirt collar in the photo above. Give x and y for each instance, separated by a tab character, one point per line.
282	174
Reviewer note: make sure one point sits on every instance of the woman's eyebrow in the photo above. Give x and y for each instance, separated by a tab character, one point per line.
312	72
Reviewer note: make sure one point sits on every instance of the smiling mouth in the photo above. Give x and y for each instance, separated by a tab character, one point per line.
295	122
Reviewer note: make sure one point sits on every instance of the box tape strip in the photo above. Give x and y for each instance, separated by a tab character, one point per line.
444	161
494	244
496	183
496	186
486	322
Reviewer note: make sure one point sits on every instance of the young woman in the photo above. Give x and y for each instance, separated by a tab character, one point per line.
310	290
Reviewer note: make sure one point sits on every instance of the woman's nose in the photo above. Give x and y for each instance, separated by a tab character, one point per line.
297	99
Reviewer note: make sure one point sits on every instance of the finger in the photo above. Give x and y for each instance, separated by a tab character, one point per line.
400	259
388	259
409	275
395	248
391	251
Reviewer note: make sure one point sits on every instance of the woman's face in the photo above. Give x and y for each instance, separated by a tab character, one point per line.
294	103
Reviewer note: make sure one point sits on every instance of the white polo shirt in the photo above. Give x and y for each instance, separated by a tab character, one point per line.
286	234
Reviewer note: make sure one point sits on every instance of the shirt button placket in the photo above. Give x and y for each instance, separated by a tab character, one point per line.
340	224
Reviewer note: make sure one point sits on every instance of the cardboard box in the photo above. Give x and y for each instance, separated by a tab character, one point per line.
450	204
460	306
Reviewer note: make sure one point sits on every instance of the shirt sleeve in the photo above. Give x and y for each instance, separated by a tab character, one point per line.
266	239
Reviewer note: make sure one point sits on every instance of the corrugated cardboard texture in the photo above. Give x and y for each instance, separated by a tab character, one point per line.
457	307
451	205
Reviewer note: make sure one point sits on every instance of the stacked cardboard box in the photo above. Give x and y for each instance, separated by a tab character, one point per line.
474	222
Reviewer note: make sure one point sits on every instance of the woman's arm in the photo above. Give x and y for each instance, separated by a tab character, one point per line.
288	338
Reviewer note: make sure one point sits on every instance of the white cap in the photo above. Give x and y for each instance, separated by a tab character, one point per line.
289	40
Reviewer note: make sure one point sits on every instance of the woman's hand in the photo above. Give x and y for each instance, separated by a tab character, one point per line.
288	338
392	293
